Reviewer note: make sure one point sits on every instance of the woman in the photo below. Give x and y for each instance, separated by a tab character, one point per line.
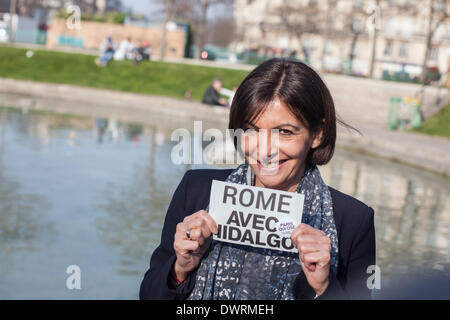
288	101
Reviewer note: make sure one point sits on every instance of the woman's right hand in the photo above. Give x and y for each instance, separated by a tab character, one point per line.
190	250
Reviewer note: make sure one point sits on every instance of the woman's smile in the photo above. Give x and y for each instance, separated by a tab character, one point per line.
270	168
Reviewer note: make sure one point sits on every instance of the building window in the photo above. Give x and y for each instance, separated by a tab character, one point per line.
404	50
433	53
388	49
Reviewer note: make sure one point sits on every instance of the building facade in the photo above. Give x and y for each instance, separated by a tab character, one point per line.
373	37
91	34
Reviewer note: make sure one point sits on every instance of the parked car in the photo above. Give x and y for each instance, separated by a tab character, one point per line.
219	54
207	54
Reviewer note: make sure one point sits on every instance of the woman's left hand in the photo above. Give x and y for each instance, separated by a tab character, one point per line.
314	250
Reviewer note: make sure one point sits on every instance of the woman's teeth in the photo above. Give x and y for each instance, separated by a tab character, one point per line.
271	164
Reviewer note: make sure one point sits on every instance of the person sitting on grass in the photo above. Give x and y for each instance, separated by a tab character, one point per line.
108	47
212	94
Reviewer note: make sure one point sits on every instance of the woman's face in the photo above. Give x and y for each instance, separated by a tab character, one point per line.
277	147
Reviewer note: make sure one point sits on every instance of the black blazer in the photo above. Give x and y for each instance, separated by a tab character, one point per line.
356	236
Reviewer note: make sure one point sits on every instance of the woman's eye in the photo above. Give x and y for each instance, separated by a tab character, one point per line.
285	131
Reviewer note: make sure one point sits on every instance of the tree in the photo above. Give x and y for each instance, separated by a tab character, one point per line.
220	32
438	13
169	6
355	26
202	7
179	10
193	12
374	26
297	19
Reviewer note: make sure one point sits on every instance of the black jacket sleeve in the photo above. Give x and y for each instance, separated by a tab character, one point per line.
354	285
350	283
156	283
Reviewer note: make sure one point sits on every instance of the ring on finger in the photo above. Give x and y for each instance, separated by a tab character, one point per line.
188	233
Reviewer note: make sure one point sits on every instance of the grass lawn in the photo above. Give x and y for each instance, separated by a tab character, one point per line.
437	125
150	77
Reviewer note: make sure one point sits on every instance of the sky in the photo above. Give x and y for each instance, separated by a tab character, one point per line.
146	7
151	7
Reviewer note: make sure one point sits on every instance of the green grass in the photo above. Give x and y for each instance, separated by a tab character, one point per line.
150	77
437	125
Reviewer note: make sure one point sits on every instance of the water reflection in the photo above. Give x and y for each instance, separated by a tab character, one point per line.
21	226
136	210
116	131
412	208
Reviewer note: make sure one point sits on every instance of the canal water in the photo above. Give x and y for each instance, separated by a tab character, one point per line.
93	192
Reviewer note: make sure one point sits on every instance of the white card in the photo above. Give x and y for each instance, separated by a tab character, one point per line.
253	216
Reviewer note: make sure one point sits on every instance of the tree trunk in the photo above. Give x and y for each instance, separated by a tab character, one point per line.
12	12
373	57
428	41
201	30
162	42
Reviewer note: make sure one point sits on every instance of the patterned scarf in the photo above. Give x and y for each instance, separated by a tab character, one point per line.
232	271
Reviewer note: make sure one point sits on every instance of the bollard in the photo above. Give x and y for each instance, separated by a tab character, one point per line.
416	117
404	108
393	113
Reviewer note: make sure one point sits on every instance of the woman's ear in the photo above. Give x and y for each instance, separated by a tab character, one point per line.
318	136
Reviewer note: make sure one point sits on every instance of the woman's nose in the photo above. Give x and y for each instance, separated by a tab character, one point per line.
267	145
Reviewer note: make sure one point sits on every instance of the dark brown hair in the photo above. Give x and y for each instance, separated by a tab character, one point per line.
301	89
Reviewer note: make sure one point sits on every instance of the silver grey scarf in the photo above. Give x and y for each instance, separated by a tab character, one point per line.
231	271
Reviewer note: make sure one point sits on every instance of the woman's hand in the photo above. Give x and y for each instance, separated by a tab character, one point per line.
314	250
190	250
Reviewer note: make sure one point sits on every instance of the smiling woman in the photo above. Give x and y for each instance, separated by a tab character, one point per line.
281	160
286	105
